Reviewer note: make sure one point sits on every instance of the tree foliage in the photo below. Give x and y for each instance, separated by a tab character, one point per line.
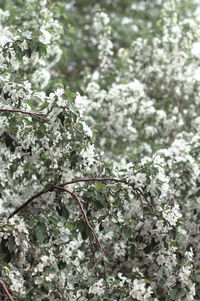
99	156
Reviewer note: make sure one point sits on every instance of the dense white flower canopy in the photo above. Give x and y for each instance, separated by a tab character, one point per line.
99	188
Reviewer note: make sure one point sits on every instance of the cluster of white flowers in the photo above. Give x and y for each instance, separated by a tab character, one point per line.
105	45
140	291
172	215
16	279
97	288
136	120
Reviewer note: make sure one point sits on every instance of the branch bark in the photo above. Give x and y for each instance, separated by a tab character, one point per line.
38	115
90	228
5	289
73	182
27	202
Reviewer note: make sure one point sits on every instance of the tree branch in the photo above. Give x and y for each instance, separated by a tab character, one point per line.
27	202
73	182
38	115
61	185
6	290
89	227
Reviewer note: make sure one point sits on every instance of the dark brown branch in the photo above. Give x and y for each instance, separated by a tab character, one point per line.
80	132
27	202
144	196
73	182
38	115
89	227
5	289
83	212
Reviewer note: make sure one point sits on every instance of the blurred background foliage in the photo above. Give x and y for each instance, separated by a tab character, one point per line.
129	19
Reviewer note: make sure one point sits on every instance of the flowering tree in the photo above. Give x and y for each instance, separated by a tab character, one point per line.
99	190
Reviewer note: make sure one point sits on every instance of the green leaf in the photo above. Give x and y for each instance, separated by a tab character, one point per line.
18	51
47	285
132	252
28	122
53	220
44	106
39	235
11	243
29	102
73	109
62	211
41	232
84	234
174	293
99	186
42	48
62	265
48	186
28	52
127	231
9	141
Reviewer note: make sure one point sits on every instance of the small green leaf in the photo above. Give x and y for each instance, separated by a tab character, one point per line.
62	211
174	293
28	52
39	235
84	234
42	48
41	232
44	106
47	186
73	109
132	252
28	122
99	186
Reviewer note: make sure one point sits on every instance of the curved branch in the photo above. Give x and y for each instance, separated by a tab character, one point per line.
27	202
89	227
60	185
6	290
73	182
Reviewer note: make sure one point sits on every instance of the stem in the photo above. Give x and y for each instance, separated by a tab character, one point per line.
80	132
6	290
38	115
137	189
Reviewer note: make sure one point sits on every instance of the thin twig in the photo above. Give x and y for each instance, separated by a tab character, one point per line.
92	248
144	196
94	267
84	214
80	132
6	290
139	196
38	115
